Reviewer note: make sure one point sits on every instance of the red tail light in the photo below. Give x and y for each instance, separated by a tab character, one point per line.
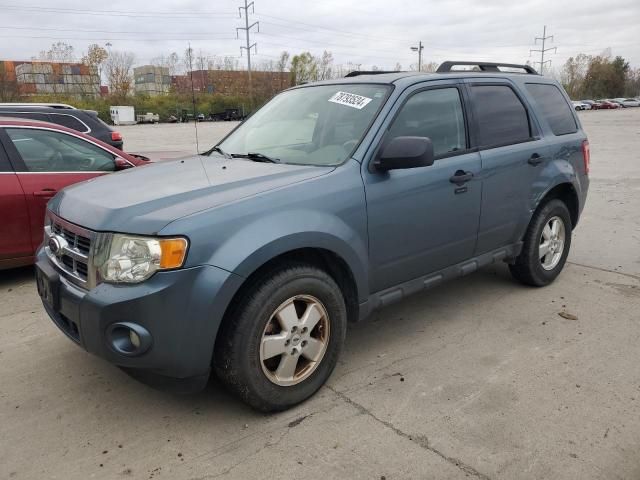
586	156
116	137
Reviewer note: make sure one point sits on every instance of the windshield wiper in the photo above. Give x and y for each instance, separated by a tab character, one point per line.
219	150
256	157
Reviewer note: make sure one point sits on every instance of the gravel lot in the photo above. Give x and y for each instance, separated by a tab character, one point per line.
479	378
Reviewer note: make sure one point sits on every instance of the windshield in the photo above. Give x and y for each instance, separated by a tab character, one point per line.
318	125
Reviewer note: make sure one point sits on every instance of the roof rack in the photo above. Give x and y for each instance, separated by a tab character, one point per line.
357	73
62	106
446	67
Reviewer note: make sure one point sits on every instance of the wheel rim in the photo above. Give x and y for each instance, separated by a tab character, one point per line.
552	243
294	340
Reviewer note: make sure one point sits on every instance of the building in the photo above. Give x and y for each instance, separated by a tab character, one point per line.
151	80
41	78
232	82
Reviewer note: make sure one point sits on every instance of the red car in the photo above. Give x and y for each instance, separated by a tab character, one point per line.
607	105
36	160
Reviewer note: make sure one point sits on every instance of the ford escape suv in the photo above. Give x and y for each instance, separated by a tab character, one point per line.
333	200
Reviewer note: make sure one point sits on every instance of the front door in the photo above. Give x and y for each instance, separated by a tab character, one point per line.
424	219
47	161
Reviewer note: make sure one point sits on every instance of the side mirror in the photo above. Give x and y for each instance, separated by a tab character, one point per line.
405	152
122	164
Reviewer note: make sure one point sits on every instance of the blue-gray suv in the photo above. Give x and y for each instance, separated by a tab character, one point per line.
333	200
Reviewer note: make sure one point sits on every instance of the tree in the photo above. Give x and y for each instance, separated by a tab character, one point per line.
573	74
118	67
95	58
324	66
59	52
304	68
283	61
429	67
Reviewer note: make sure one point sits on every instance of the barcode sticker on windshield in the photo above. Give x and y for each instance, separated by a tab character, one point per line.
350	100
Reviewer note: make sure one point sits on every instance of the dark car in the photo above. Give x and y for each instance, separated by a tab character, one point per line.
36	160
333	200
83	121
608	105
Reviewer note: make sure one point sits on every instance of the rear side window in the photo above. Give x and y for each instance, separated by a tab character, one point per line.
500	115
68	121
554	108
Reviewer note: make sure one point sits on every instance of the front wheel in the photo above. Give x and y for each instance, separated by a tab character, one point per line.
546	245
282	340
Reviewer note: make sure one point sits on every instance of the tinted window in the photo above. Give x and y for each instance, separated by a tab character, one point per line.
554	108
48	151
436	114
500	115
68	121
4	161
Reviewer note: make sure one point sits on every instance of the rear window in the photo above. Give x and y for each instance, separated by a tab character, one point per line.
554	108
501	116
68	121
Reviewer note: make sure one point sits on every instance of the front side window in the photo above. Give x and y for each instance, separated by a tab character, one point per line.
318	125
49	151
500	115
436	114
554	108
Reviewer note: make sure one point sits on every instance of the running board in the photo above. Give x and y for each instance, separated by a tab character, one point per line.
394	294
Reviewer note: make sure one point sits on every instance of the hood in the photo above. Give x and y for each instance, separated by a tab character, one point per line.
145	199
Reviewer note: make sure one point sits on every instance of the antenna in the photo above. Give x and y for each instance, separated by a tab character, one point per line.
193	96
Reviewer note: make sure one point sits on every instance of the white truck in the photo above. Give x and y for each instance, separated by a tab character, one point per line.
122	115
148	118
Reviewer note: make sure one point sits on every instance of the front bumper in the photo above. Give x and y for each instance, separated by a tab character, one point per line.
181	309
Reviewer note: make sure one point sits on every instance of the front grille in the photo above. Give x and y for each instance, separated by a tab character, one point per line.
72	245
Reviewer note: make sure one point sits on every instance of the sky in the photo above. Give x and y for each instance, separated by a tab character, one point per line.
374	32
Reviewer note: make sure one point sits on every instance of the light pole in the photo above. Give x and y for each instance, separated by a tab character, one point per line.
419	49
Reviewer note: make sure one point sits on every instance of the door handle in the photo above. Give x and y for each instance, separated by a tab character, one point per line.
45	192
461	177
535	159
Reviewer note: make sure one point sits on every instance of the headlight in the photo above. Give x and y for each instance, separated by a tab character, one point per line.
133	259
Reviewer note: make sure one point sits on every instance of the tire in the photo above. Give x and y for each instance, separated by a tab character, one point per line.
529	267
285	292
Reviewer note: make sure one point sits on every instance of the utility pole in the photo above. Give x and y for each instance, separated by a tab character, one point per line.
419	49
247	30
543	50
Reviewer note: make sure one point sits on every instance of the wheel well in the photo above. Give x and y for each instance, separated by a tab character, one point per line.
568	195
323	259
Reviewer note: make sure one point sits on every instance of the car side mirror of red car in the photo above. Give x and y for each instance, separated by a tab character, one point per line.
122	164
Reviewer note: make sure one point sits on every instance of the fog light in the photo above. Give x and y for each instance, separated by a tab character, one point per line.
128	338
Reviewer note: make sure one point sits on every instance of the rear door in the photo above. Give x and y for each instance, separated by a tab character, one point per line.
47	161
512	153
15	234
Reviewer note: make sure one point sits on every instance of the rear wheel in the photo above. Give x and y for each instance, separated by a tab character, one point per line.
546	245
282	340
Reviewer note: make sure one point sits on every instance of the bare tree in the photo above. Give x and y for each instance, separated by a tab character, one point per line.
59	52
324	65
118	67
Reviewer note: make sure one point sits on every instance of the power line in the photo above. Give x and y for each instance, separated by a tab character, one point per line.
117	13
247	30
543	50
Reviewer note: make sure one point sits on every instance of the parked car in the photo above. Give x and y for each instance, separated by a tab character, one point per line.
331	201
594	105
608	105
36	160
148	117
83	121
578	106
628	102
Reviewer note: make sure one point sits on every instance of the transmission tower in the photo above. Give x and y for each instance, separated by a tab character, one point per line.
247	30
543	50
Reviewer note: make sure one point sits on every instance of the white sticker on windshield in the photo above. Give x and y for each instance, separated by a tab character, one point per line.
350	100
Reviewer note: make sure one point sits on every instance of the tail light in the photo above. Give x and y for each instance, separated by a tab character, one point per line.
116	137
586	156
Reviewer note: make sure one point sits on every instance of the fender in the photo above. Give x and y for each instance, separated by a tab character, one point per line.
253	245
